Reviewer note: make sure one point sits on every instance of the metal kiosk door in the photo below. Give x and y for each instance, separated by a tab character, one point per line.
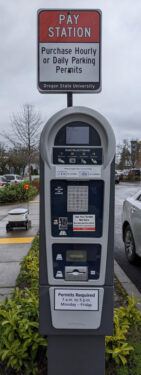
76	240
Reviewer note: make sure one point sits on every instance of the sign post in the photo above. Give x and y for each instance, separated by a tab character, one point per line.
69	51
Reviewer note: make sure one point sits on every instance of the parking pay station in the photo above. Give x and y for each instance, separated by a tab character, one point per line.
76	240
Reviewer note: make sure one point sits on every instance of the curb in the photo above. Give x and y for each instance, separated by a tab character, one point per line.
126	283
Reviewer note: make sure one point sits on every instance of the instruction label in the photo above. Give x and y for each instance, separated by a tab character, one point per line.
69	50
77	299
84	223
77	172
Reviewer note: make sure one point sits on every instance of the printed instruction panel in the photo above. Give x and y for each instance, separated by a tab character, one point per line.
84	223
77	172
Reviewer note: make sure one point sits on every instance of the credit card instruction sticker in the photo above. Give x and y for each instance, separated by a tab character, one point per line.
77	299
84	223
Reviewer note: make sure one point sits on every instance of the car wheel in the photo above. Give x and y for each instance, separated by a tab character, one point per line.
129	243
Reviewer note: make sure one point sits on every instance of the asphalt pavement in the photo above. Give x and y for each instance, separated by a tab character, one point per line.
15	245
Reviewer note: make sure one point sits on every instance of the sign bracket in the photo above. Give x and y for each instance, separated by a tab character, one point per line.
69	99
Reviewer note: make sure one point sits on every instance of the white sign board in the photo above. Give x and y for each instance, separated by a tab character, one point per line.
77	299
69	50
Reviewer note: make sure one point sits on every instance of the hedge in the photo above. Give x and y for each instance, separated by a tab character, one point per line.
17	193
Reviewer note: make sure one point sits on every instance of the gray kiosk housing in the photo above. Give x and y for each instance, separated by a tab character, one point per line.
76	239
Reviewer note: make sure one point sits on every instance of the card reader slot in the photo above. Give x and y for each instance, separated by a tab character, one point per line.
76	273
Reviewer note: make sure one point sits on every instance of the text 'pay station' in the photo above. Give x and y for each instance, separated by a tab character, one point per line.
69	50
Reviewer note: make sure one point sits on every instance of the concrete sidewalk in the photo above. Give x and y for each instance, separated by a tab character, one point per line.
15	245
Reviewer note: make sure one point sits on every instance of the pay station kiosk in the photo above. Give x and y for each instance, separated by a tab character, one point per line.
76	240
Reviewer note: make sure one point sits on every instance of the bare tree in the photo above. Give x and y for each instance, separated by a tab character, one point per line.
25	132
125	155
128	154
18	159
3	159
134	152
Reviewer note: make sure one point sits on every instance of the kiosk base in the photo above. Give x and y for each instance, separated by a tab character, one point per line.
76	355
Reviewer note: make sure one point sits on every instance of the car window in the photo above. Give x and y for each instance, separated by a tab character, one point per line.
9	177
139	198
18	177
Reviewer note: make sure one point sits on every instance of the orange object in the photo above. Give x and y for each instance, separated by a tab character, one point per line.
26	187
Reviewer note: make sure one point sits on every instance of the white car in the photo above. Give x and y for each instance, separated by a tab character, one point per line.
131	227
13	178
3	181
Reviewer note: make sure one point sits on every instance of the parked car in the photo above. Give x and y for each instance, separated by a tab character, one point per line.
13	178
3	181
117	177
131	227
125	172
134	172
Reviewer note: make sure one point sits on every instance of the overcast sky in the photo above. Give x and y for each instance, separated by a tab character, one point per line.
120	98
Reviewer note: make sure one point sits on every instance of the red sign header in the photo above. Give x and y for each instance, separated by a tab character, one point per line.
73	26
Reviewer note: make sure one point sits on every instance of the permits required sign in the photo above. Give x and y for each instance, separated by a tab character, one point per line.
77	299
69	50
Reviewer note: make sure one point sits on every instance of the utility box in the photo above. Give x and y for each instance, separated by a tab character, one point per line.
76	239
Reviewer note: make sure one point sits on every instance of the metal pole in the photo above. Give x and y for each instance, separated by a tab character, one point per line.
69	99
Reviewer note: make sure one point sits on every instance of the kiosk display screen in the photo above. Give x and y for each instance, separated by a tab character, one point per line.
77	135
76	256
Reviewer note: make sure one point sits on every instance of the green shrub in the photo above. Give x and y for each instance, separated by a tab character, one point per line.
20	343
131	313
125	318
17	192
117	347
29	274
